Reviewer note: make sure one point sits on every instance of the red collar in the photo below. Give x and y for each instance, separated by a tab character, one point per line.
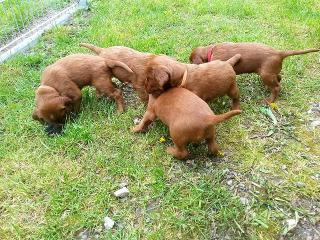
209	54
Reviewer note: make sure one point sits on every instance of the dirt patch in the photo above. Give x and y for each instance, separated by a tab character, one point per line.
130	96
305	230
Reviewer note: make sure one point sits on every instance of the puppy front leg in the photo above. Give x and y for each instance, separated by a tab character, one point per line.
77	104
148	117
235	97
213	147
272	82
74	111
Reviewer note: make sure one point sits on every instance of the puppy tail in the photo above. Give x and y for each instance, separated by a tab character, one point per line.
92	47
225	116
288	53
113	63
232	61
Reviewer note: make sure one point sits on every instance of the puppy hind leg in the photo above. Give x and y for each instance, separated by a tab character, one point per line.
213	147
106	87
235	96
272	82
178	151
118	97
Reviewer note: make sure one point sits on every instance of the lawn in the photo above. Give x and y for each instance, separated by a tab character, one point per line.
57	187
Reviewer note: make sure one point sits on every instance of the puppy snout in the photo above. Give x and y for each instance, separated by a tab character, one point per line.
54	129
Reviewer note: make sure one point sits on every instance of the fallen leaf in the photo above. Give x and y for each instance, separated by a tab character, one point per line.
220	154
267	111
274	106
291	224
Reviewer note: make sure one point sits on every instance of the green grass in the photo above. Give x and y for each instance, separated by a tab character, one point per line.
52	187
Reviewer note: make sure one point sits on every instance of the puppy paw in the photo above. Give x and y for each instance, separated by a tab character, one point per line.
120	110
176	153
171	150
220	154
136	129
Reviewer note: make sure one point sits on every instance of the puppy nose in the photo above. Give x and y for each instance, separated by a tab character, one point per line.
54	129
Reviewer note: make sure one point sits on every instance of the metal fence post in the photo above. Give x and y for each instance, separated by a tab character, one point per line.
23	21
83	4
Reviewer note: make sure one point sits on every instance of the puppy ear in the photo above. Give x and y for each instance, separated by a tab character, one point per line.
42	90
162	75
196	60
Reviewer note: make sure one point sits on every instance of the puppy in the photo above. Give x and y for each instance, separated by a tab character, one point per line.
137	61
188	117
208	81
60	91
255	58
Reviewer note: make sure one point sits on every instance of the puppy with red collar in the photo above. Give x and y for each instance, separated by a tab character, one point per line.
255	58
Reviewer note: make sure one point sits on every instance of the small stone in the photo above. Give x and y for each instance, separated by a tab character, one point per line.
316	176
108	223
190	162
315	123
208	164
121	193
244	201
136	121
65	214
300	184
284	167
314	109
232	174
226	171
123	184
99	229
242	187
96	236
229	182
83	235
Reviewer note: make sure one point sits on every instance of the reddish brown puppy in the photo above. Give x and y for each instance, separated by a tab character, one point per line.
188	117
208	81
61	84
137	61
255	58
